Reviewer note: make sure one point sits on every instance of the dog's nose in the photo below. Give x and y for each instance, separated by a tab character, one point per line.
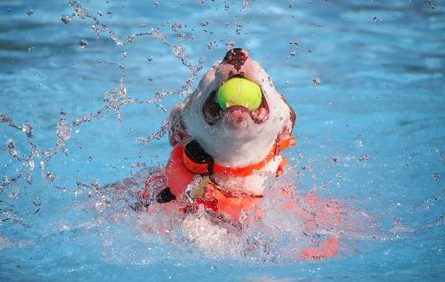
236	57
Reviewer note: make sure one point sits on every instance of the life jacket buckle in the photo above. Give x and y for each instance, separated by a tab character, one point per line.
197	188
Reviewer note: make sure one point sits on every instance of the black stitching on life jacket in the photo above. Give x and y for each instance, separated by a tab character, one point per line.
165	196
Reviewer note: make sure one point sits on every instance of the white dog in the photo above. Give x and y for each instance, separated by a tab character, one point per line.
222	160
235	137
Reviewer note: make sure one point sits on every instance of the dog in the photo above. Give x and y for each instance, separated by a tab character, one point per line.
223	159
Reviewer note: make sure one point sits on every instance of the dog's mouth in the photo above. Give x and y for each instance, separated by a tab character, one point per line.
213	112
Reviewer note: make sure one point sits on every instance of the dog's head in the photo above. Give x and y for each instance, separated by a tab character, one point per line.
234	136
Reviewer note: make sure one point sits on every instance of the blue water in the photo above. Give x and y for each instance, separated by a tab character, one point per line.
366	79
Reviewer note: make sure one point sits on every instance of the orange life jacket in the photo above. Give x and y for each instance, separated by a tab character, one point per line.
181	169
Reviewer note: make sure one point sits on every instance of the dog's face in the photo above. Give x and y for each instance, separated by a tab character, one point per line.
234	136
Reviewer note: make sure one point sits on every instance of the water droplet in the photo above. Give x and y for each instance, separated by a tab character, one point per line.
115	98
65	19
212	44
116	39
30	163
83	43
81	13
316	81
430	4
4	118
129	38
364	158
178	51
37	202
358	142
230	44
238	29
156	33
245	4
376	19
176	26
14	193
11	148
27	129
98	29
6	181
63	130
49	176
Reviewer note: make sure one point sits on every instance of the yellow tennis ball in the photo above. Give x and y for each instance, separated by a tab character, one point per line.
238	91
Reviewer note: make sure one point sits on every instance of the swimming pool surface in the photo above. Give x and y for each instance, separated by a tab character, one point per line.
86	87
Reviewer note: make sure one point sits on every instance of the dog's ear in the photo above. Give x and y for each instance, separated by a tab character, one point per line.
292	117
177	132
286	132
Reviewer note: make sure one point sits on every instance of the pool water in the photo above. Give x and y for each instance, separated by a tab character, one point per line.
85	92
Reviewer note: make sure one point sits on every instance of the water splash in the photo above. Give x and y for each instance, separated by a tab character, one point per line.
113	100
272	232
98	28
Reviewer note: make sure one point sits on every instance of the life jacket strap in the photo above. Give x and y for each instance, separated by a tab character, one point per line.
198	161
